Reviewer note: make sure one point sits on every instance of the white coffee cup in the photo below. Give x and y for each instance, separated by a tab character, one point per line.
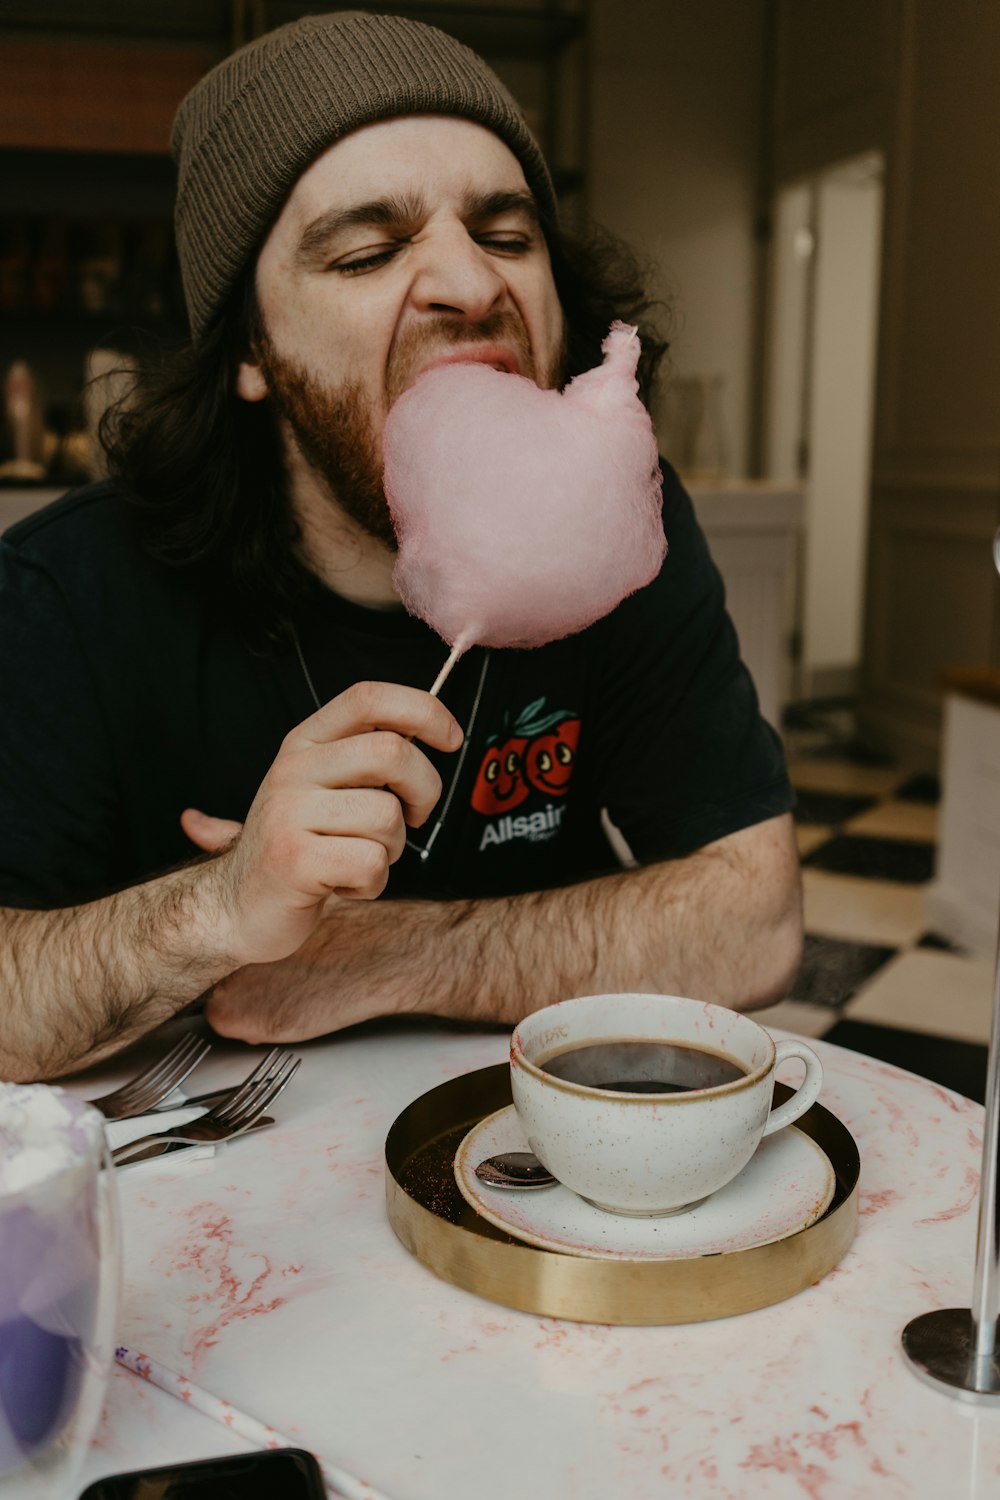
646	1153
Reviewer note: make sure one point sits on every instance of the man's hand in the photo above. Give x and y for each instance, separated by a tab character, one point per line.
328	819
351	968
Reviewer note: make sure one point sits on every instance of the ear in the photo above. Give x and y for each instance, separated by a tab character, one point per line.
250	382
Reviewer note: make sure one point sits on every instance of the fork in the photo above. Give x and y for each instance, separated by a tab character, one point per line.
180	1142
156	1082
209	1101
235	1115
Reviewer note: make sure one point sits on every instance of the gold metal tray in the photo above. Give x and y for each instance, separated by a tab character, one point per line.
434	1222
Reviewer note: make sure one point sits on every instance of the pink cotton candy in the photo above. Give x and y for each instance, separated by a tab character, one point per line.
523	515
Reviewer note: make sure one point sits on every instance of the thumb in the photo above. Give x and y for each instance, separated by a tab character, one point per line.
210	834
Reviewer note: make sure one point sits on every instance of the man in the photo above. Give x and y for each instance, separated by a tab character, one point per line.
211	646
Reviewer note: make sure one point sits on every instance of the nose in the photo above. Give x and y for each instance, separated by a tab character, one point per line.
455	275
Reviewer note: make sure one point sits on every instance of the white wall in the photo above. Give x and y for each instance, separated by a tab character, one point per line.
822	335
789	332
673	158
848	253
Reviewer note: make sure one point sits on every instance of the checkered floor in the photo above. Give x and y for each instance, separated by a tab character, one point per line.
873	977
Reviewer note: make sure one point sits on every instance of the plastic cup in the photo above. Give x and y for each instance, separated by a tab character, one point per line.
60	1279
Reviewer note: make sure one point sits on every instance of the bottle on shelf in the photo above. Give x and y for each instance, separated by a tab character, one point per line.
24	460
99	267
49	271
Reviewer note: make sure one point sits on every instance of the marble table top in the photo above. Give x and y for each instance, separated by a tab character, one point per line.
270	1275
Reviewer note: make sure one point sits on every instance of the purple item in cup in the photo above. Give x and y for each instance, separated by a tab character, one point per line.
51	1237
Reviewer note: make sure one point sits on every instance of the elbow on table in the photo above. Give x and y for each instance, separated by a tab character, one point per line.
46	1064
54	1053
777	953
29	1065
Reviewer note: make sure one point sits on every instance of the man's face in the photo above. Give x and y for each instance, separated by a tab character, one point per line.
408	243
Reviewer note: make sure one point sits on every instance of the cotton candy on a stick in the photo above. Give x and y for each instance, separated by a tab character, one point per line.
523	515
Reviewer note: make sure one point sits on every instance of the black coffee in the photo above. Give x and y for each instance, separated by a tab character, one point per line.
637	1066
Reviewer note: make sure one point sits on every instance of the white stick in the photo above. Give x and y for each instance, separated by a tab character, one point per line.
445	671
336	1480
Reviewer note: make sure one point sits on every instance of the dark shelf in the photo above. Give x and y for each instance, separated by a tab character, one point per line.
151	20
69	327
84	185
494	30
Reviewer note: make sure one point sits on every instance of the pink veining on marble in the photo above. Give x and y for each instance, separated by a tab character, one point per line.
230	1293
871	1203
226	1278
967	1201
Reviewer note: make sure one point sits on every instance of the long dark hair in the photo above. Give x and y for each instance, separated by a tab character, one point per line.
600	279
203	469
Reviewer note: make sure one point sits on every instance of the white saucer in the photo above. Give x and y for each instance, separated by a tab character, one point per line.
786	1186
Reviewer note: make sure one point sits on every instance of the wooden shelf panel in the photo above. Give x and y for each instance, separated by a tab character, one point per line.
526	30
83	96
160	20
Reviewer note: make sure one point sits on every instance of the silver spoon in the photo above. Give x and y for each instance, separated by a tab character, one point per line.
514	1169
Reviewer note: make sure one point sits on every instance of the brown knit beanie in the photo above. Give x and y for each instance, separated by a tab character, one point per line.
248	130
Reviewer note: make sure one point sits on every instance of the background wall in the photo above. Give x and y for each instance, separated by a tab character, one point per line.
931	588
677	97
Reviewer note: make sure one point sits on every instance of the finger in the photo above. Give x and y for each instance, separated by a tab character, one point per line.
355	867
210	834
368	706
380	759
358	812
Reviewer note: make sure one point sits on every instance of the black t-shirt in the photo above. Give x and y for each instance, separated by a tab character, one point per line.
126	695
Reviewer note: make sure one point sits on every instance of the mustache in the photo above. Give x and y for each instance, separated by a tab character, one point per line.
408	356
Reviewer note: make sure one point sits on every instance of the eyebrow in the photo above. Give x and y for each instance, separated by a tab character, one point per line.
492	205
392	211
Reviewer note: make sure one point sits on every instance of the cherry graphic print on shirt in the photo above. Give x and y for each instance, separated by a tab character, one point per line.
549	758
534	753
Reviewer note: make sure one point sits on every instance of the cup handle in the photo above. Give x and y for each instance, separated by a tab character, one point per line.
808	1090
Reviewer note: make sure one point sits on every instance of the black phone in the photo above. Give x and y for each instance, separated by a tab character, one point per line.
276	1474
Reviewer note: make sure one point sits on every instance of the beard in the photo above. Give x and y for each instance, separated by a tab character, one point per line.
334	432
334	428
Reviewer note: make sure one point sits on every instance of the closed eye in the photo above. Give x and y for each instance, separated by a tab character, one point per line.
497	243
368	260
505	244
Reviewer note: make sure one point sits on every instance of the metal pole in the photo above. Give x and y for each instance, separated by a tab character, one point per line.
954	1349
987	1282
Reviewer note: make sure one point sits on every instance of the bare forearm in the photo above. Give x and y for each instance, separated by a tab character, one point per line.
718	925
82	982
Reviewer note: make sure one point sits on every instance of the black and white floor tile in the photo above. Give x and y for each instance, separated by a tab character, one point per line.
873	977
